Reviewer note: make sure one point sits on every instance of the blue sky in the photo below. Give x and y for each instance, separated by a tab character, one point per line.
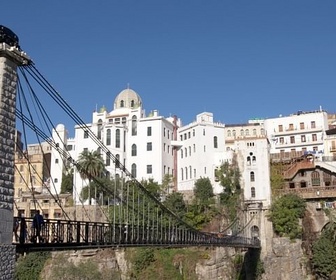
237	59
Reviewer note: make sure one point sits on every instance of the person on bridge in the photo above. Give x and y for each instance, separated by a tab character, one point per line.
38	222
23	229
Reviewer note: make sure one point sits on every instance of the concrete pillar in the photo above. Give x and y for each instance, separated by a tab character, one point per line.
10	57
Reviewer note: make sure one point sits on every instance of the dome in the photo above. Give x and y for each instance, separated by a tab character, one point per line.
127	98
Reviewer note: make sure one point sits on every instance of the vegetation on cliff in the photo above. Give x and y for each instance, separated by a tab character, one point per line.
285	214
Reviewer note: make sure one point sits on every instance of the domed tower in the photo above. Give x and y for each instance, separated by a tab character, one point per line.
127	98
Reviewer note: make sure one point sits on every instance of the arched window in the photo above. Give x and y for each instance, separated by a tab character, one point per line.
99	129
134	150
315	177
248	160
181	153
253	193
215	142
229	133
247	132
182	174
117	138
254	159
108	137
117	163
132	104
185	152
327	179
242	132
190	172
186	173
189	150
134	170
254	232
254	132
233	133
252	177
134	125
122	103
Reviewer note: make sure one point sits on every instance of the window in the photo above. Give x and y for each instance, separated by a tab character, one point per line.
242	132
185	152
56	160
233	133
280	128
229	133
281	140
134	125
302	125
189	150
108	161
99	128
182	174
117	161
69	148
291	126
134	170
215	142
254	132
194	148
181	153
149	146
262	131
149	131
189	134
123	120
253	194
252	178
203	131
108	137
122	103
303	138
134	150
315	177
149	169
117	138
86	134
292	139
193	132
247	133
313	124
164	132
314	137
56	180
186	173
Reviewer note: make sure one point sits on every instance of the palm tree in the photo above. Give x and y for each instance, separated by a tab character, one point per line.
91	165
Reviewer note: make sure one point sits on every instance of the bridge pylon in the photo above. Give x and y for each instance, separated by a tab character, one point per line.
11	56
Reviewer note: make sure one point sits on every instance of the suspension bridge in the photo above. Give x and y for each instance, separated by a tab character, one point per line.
136	216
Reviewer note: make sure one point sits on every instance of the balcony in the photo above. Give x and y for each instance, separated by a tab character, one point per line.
311	193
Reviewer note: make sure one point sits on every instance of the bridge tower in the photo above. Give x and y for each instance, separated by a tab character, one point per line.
11	56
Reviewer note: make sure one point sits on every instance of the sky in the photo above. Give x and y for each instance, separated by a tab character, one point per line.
237	59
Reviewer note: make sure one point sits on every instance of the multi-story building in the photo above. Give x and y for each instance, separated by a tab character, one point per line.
143	144
202	151
299	133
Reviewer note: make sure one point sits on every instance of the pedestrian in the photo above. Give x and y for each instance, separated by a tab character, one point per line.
38	222
23	229
15	228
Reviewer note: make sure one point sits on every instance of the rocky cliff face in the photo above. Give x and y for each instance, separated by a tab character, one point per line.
285	261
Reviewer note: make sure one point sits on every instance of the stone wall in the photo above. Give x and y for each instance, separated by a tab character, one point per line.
7	261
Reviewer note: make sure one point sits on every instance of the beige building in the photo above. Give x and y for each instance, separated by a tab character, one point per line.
32	183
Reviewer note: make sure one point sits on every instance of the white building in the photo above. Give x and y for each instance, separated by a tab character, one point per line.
300	132
144	145
201	153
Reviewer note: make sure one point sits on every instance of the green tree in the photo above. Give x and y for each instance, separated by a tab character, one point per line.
285	213
153	187
229	177
203	192
176	204
30	266
67	182
324	255
91	165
